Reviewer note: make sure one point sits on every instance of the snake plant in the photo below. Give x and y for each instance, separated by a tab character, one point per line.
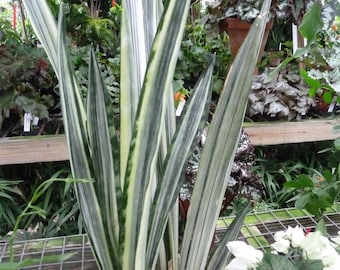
130	207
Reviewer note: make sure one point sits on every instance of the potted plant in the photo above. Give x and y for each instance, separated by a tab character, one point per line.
235	16
129	205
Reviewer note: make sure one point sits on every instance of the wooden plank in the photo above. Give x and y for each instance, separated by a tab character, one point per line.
19	150
272	133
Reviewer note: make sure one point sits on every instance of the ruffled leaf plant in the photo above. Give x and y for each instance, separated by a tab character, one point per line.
130	210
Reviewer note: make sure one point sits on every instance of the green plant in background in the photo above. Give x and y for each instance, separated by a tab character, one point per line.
61	212
316	193
322	72
25	75
198	42
27	80
318	18
9	209
130	209
248	10
273	174
86	26
277	165
32	209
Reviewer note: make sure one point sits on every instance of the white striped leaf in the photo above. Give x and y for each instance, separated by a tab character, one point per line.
167	190
104	148
218	153
144	144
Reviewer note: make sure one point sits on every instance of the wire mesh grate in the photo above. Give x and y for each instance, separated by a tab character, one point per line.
78	245
259	228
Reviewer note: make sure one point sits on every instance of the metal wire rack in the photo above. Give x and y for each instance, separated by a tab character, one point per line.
259	228
78	245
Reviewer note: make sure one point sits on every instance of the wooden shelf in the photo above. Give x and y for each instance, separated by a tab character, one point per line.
272	133
20	150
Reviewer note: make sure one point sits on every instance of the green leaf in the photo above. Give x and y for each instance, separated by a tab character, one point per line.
321	227
133	66
312	265
327	97
327	174
7	99
312	83
274	261
298	53
312	22
303	200
302	181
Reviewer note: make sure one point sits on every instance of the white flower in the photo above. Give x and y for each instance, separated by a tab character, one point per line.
246	256
281	235
283	239
335	265
336	240
295	235
281	246
318	247
313	246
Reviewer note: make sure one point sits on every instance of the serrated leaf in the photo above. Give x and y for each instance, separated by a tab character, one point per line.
303	181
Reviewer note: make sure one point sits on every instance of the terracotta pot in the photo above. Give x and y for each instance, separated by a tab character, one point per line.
237	31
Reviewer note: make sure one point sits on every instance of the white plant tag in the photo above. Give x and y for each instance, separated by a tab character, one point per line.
27	122
35	121
180	107
7	113
331	106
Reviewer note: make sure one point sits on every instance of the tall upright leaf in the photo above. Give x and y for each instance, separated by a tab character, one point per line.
132	197
168	189
144	144
45	27
103	144
133	65
74	117
219	150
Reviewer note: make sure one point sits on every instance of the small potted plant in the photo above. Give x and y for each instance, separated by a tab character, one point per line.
236	16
